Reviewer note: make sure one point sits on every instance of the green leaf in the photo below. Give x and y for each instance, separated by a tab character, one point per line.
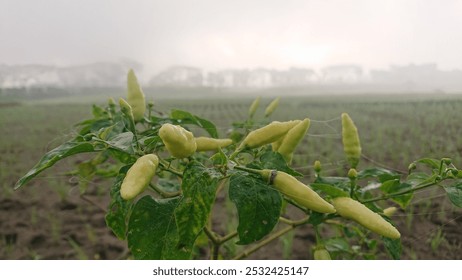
109	132
119	209
168	185
55	155
459	174
454	192
199	188
330	190
183	117
86	171
99	112
337	244
393	247
122	142
316	218
152	232
273	160
94	125
341	183
121	147
122	156
332	180
219	158
416	178
151	142
394	186
258	206
380	173
433	163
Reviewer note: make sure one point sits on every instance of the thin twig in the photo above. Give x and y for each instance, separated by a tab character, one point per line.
167	167
272	237
286	221
215	243
263	243
164	194
227	237
92	202
387	196
383	165
211	235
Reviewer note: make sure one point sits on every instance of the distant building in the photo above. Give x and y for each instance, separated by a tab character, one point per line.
179	76
342	74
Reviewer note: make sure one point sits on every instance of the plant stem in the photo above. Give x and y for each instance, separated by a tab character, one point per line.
387	196
167	167
263	243
227	237
352	187
271	238
250	170
318	236
222	184
215	243
286	221
211	235
132	128
164	194
215	251
234	154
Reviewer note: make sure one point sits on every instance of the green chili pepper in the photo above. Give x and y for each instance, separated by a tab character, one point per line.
126	109
320	253
267	134
211	144
179	142
292	138
272	106
139	176
350	138
354	210
253	108
297	191
135	96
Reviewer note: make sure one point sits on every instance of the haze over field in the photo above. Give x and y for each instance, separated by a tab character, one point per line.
276	36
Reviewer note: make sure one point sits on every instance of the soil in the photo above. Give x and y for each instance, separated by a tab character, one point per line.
37	223
40	225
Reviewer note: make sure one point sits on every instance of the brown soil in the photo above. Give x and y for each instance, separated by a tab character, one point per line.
35	223
39	224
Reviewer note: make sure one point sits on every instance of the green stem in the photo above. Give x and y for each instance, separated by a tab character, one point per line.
271	238
211	235
250	170
166	166
225	238
150	108
132	128
440	171
318	236
163	193
263	243
352	187
234	154
286	221
215	243
215	251
387	196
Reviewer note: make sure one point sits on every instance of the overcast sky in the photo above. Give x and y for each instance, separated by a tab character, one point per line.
215	34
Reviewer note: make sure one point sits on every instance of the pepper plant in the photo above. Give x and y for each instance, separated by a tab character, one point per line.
168	169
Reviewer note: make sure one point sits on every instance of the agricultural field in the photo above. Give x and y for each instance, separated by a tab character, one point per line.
49	219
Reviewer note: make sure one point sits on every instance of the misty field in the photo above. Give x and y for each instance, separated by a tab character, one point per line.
48	219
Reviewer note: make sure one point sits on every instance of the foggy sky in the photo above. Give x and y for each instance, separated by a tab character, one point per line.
215	34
